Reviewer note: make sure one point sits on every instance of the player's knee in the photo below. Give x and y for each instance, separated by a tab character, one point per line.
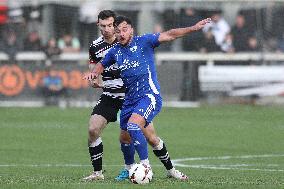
94	130
96	125
135	131
125	138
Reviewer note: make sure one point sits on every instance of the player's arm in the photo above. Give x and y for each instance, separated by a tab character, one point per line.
96	83
94	74
93	61
108	60
173	34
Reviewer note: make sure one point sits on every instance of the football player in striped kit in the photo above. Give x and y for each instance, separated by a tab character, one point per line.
110	101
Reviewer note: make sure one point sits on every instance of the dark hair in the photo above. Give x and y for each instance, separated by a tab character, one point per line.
119	19
106	14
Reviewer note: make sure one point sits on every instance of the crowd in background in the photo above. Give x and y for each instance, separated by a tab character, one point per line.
242	36
20	32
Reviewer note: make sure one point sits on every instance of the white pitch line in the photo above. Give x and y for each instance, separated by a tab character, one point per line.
228	167
60	165
216	167
229	157
177	163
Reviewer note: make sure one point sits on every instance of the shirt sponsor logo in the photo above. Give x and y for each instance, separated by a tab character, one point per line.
127	64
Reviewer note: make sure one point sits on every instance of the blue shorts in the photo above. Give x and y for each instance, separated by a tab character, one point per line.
148	107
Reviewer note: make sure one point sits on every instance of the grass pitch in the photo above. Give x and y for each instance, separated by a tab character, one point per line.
218	147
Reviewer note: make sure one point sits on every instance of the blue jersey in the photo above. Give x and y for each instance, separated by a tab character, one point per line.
136	63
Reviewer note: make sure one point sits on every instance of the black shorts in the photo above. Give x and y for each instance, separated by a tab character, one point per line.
108	107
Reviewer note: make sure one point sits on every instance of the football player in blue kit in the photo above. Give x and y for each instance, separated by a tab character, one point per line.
134	56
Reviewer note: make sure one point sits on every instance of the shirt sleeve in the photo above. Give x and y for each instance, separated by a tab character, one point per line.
109	59
92	55
152	39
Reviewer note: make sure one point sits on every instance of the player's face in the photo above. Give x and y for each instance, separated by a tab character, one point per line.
106	27
124	33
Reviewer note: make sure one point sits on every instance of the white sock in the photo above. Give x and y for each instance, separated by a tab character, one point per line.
128	167
145	161
96	143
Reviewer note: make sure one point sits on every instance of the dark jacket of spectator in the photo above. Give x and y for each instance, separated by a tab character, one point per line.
280	44
208	44
240	34
32	42
51	48
11	45
190	42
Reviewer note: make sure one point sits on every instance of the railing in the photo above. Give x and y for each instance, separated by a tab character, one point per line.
209	58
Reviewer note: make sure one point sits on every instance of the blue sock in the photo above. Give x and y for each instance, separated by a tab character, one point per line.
128	151
138	139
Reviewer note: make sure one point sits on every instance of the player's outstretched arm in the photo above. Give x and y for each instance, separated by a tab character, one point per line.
95	73
96	83
173	34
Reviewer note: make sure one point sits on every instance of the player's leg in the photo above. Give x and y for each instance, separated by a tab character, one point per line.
128	150
134	125
103	112
160	150
149	107
129	123
96	124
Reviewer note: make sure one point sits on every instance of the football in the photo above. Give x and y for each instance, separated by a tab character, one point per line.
140	174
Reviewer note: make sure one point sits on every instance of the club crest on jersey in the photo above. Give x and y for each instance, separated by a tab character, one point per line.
133	49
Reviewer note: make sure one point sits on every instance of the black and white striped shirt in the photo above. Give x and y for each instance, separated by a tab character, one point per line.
112	82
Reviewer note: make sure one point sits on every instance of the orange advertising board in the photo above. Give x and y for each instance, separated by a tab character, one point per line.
14	79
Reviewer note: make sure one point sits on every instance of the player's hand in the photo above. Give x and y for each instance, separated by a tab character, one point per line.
90	76
96	83
201	24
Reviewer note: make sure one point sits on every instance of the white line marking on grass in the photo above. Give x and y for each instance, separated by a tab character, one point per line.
216	167
229	157
230	167
177	162
60	165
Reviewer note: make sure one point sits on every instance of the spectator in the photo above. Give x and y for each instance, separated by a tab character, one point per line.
253	45
10	44
16	21
51	48
190	42
240	34
208	44
32	42
52	87
227	45
280	44
220	28
88	12
69	44
33	17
